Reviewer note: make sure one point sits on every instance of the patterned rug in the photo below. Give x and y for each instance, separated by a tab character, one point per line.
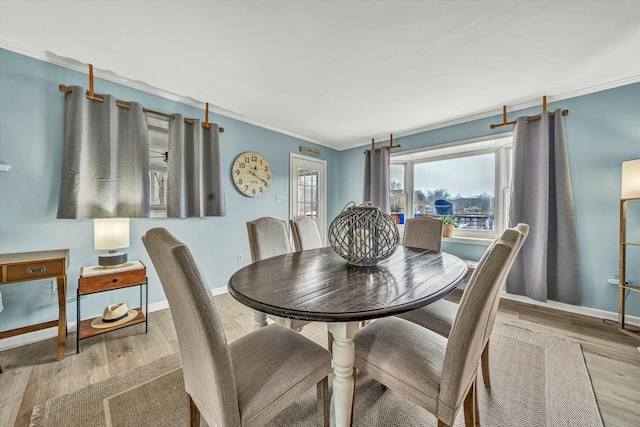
537	380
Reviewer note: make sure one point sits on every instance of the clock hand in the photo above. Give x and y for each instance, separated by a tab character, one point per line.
260	178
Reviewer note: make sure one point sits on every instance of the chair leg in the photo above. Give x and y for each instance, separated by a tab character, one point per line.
476	407
323	402
194	414
484	360
469	406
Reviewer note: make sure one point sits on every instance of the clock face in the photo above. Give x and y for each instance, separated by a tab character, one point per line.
252	174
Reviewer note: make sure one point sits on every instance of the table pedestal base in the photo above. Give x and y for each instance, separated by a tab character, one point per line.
259	320
343	384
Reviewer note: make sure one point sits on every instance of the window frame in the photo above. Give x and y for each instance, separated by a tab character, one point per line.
160	127
501	146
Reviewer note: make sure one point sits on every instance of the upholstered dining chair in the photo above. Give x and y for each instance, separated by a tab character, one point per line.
268	237
426	233
305	234
437	373
247	382
440	315
423	232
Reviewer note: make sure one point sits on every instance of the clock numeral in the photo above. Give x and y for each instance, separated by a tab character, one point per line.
246	159
261	190
240	181
253	191
246	187
254	158
237	171
268	177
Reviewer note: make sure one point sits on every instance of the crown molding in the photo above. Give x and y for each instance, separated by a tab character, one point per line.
75	65
144	87
496	111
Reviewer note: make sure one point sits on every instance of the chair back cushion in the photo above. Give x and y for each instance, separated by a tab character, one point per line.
424	233
206	361
305	234
474	322
268	237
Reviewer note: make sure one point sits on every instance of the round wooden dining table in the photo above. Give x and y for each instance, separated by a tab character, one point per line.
318	285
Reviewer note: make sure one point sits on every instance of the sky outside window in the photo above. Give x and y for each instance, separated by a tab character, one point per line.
467	176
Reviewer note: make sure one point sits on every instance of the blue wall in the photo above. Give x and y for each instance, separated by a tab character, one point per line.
31	133
602	130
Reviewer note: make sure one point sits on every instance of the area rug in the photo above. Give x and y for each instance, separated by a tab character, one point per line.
537	380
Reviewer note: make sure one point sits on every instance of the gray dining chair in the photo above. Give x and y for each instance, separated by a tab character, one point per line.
424	233
440	315
305	234
247	382
268	237
438	373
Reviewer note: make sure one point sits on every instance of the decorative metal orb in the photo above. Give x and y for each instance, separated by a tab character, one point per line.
363	235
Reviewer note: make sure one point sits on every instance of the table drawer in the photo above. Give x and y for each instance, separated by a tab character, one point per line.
105	282
34	270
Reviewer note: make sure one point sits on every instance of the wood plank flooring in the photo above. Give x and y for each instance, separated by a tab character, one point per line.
32	374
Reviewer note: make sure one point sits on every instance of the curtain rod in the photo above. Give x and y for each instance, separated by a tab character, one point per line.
390	147
65	89
92	95
529	119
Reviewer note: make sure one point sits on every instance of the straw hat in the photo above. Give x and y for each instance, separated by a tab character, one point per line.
114	314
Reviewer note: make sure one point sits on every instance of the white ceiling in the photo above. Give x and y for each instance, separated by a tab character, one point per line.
341	72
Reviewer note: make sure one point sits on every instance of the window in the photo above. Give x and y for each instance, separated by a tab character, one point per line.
307	193
467	180
397	194
158	158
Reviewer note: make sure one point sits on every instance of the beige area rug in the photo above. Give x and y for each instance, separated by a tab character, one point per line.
537	380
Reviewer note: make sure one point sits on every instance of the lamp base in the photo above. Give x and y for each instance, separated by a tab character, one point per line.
112	259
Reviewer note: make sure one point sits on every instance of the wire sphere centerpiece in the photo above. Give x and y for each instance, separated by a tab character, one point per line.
363	235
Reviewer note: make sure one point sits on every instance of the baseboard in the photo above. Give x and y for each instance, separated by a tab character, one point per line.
44	334
577	309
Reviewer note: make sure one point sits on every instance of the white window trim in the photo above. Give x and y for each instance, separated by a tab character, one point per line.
500	145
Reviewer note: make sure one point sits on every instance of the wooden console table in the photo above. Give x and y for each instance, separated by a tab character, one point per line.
26	266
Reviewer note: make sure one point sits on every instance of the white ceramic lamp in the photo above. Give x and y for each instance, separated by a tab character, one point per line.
631	179
111	234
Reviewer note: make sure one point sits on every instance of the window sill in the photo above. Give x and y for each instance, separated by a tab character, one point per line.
467	240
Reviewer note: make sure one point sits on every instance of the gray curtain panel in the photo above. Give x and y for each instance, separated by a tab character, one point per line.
541	196
376	179
105	165
195	170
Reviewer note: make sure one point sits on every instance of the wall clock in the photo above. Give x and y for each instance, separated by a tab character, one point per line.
252	174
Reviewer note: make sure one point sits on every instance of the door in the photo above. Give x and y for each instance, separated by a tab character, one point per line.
308	190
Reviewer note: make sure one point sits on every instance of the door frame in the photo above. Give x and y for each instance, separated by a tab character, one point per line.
322	189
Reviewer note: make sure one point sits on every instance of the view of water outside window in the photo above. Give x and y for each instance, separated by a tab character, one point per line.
462	188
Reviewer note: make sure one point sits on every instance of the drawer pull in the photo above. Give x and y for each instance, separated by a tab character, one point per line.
114	280
32	270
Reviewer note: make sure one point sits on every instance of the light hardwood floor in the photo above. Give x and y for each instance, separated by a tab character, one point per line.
32	374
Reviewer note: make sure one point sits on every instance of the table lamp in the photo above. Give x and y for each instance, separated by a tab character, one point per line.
631	179
111	234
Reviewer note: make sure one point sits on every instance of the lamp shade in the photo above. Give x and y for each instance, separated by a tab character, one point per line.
110	233
631	179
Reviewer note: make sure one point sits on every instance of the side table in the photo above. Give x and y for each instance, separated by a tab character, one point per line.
96	279
26	266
